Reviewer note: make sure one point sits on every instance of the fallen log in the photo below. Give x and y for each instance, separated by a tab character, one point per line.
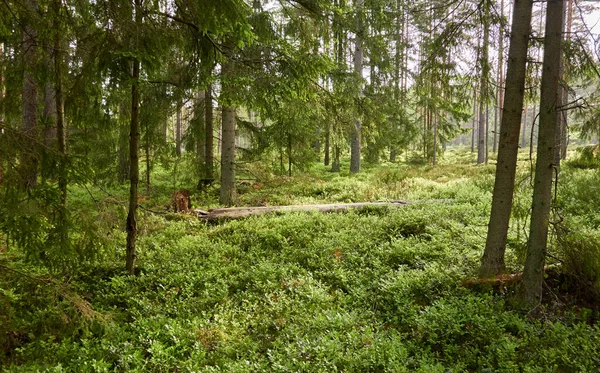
242	212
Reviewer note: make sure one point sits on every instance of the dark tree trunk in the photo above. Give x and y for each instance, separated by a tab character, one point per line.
289	154
327	146
200	130
500	88
29	156
530	291
178	131
335	166
61	133
492	262
358	67
134	172
484	85
209	135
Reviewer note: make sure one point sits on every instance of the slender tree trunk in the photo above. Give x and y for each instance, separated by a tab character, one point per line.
29	156
61	133
524	132
492	261
200	131
565	87
124	162
335	166
484	85
327	146
530	291
289	154
435	129
178	130
474	121
358	67
500	89
227	191
134	172
2	106
209	135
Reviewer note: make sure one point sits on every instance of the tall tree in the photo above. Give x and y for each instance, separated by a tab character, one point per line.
530	290
134	136
484	85
358	67
492	261
227	191
29	154
208	135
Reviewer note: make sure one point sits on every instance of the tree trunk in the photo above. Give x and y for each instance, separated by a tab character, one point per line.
289	154
134	172
327	146
209	135
484	85
500	89
227	192
530	291
199	131
178	130
29	156
524	132
335	166
492	262
61	133
358	67
124	161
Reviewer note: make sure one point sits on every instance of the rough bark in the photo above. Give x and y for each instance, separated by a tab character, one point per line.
500	89
199	131
29	156
209	135
492	262
61	133
530	291
484	86
358	67
134	171
227	191
327	146
335	166
178	130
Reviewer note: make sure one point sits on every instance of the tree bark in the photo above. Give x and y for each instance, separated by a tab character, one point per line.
209	135
178	130
61	133
358	67
327	146
134	171
492	262
29	156
530	291
227	191
484	86
500	89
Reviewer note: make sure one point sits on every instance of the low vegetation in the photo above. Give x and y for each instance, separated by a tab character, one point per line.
374	290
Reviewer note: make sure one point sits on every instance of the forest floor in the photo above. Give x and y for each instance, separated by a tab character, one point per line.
373	290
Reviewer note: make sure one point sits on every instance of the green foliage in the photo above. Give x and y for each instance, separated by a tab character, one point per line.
588	157
371	290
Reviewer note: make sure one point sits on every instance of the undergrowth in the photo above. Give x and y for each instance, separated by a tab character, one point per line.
376	290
